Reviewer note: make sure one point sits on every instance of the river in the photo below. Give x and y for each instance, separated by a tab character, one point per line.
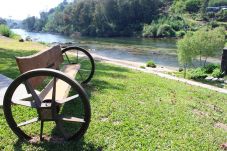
161	51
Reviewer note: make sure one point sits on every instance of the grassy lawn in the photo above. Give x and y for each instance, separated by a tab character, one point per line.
132	111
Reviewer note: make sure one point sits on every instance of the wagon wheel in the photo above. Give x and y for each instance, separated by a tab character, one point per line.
26	116
77	55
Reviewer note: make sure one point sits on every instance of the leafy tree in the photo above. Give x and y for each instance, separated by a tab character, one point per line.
193	5
204	43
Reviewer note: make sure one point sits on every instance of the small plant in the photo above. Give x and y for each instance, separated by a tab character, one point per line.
5	31
180	33
165	30
142	67
211	67
197	74
151	64
216	73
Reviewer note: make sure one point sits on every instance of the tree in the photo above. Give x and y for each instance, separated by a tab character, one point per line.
203	43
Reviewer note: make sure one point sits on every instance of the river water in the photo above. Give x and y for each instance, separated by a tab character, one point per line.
161	51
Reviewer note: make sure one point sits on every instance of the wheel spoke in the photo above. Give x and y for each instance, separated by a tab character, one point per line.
28	122
71	119
77	59
25	103
34	95
67	99
67	57
81	75
54	89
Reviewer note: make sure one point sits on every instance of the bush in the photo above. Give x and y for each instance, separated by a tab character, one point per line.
193	6
217	3
165	30
222	16
197	74
211	67
5	31
150	30
180	33
216	73
151	64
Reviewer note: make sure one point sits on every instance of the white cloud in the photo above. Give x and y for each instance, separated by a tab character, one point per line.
20	9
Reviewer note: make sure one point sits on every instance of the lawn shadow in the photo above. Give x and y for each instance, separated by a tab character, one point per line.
45	145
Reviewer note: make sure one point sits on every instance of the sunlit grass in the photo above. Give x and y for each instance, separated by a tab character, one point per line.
7	43
135	111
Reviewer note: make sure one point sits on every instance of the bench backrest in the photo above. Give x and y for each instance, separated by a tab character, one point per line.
50	58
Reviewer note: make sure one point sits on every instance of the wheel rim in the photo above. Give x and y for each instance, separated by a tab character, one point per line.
77	55
16	112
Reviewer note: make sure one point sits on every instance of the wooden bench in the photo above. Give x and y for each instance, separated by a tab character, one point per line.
51	58
35	69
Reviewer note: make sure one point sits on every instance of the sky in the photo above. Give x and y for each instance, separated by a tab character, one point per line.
21	9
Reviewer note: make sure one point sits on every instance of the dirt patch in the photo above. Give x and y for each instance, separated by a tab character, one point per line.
221	125
200	113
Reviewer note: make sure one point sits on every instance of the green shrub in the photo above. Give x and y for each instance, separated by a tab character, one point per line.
150	30
5	31
216	73
211	67
197	74
165	30
142	67
222	16
180	33
217	3
151	64
193	6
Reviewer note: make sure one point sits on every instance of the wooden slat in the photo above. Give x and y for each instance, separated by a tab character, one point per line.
71	119
24	103
67	99
62	88
28	122
30	103
50	58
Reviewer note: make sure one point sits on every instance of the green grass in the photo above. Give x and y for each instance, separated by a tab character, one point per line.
134	111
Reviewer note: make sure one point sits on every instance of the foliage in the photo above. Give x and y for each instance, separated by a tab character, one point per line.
121	96
193	6
197	74
5	31
97	18
216	73
204	42
150	30
165	30
151	64
211	67
222	16
180	33
164	27
217	3
178	7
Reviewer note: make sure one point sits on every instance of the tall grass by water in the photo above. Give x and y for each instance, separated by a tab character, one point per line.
5	31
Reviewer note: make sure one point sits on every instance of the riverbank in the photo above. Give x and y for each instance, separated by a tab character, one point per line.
129	108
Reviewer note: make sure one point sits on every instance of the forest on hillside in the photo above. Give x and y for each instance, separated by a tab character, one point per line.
111	18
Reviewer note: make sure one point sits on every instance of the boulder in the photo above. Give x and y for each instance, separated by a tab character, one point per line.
215	79
28	38
209	78
21	40
221	80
